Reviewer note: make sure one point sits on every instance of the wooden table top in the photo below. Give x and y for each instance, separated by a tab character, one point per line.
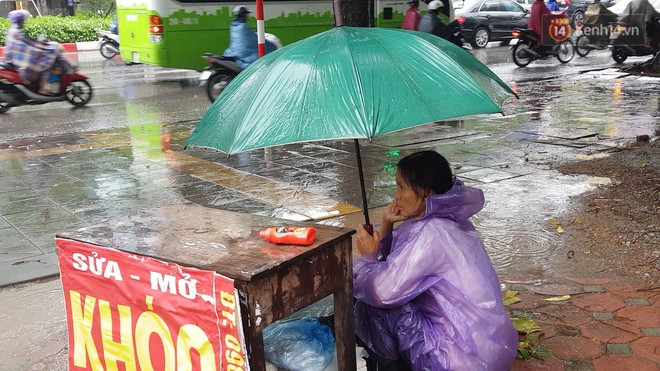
206	238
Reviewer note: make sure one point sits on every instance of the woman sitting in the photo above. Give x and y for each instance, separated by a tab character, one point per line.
427	295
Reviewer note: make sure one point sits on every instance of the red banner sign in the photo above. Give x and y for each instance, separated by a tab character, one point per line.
130	312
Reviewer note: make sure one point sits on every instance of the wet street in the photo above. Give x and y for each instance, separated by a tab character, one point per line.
64	169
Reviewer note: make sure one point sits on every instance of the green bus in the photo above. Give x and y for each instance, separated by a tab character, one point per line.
175	33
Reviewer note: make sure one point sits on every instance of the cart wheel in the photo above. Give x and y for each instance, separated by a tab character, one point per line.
565	51
581	46
4	107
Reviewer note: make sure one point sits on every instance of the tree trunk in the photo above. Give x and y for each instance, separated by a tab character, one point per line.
355	13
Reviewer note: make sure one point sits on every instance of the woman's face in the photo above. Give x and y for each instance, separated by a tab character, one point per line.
409	203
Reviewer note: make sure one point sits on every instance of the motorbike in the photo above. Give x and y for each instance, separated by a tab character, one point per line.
218	74
625	42
222	69
584	43
526	50
71	86
109	44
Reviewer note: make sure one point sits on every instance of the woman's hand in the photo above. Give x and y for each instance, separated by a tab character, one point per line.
367	243
393	214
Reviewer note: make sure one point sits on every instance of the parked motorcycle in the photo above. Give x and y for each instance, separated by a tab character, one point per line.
626	42
526	50
72	87
109	44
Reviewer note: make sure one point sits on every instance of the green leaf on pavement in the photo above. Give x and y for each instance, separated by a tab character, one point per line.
525	325
509	297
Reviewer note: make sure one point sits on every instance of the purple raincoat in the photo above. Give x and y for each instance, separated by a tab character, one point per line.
436	300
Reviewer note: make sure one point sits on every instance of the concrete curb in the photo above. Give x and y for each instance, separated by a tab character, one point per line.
73	47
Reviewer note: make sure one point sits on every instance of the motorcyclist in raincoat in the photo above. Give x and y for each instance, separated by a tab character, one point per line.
535	22
430	22
412	17
242	40
32	58
426	291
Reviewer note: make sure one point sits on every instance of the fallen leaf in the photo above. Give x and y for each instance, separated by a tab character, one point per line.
560	229
579	221
525	325
558	298
553	222
510	297
643	164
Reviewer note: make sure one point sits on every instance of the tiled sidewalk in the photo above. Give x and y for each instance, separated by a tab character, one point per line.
603	326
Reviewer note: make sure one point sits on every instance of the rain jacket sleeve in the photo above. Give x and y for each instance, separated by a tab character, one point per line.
535	22
408	271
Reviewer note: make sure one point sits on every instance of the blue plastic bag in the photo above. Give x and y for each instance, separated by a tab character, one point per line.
301	344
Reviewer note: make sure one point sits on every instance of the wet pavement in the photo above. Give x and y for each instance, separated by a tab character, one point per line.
58	183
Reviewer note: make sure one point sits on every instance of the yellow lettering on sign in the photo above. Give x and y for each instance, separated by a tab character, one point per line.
147	324
227	299
193	337
83	342
117	351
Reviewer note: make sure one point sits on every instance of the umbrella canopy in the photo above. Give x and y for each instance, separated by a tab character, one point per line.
348	82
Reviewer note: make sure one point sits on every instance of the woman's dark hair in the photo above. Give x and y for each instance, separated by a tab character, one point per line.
426	171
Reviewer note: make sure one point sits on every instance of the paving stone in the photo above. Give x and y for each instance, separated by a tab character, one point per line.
593	288
538	364
561	315
573	348
637	301
651	331
605	333
640	316
590	281
578	366
517	287
647	347
620	348
627	290
612	362
598	302
603	316
528	300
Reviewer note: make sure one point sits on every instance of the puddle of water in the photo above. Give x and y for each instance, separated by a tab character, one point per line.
514	223
34	331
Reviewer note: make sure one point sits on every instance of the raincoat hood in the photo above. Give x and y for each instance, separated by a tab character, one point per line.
458	204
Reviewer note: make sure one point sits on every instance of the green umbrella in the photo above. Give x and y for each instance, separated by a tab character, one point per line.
348	82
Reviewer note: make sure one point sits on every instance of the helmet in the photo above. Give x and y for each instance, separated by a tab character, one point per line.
241	10
435	4
18	16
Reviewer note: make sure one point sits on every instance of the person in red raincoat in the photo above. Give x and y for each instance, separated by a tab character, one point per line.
535	22
412	17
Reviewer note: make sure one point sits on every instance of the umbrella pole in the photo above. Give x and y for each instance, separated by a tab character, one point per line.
365	207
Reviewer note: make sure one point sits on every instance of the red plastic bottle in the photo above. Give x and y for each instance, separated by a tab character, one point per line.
289	235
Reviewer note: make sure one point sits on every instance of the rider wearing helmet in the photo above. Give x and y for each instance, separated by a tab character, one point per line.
412	17
430	22
33	59
242	40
